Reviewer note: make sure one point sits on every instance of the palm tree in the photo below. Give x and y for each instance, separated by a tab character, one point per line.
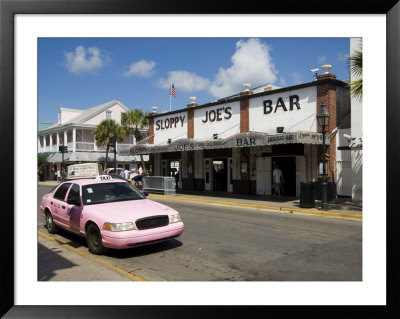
104	131
133	122
355	64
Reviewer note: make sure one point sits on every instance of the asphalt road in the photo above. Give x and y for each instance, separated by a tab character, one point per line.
224	243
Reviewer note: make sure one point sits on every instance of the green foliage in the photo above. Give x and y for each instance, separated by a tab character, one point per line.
133	122
41	159
355	65
104	131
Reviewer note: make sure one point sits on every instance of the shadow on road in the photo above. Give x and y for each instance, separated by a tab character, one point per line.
49	261
144	250
77	241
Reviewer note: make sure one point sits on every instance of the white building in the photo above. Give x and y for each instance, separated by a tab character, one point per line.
231	144
75	130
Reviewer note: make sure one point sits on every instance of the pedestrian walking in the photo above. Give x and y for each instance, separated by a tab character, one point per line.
138	177
55	173
41	174
277	180
123	174
126	174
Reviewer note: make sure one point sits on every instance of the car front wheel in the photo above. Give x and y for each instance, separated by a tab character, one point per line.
94	242
51	226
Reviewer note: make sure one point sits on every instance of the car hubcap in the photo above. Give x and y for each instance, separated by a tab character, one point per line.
49	222
95	239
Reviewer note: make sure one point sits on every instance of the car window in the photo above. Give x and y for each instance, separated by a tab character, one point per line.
62	191
73	195
109	192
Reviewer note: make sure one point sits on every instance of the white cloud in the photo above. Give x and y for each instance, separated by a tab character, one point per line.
141	68
322	59
342	56
84	60
251	63
184	81
297	78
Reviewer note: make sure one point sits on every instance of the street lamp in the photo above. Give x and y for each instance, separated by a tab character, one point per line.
323	120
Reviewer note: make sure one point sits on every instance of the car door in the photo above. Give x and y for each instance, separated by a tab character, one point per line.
74	211
59	206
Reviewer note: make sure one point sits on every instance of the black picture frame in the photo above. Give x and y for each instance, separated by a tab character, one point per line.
8	10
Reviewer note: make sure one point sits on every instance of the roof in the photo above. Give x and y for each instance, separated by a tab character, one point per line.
255	90
44	125
89	113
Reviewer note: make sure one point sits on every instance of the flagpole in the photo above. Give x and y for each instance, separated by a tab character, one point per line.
170	97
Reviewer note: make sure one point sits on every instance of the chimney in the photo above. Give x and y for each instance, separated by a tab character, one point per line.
193	103
246	89
326	74
154	110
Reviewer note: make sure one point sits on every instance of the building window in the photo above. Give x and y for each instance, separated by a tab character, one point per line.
132	139
108	115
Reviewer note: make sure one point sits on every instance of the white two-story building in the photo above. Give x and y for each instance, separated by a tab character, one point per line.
74	129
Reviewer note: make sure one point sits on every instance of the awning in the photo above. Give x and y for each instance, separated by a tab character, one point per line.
94	157
248	139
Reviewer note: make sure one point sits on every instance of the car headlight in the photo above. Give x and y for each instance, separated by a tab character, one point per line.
174	218
119	226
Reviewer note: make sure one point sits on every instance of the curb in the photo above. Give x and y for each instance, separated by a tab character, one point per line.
276	208
94	258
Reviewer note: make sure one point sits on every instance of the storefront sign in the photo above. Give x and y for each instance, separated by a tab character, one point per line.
218	114
184	147
241	142
248	139
293	101
171	122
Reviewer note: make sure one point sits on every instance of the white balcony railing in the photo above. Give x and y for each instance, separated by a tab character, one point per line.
82	146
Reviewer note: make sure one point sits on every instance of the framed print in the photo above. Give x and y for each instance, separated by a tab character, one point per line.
23	22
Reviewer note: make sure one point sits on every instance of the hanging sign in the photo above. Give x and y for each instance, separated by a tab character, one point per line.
248	139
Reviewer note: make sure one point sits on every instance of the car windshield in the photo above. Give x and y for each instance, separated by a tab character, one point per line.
109	192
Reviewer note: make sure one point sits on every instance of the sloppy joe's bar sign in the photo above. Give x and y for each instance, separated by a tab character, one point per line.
293	109
222	119
247	139
170	126
170	122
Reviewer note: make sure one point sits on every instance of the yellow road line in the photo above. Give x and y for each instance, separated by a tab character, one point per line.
208	201
93	257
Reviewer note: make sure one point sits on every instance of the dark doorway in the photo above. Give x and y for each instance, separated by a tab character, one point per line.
220	175
288	168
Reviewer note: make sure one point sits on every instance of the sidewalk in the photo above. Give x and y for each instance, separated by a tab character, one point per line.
58	261
340	207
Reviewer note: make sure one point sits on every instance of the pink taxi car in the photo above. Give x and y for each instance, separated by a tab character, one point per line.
110	213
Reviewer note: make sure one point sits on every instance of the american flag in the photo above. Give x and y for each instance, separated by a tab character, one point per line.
172	90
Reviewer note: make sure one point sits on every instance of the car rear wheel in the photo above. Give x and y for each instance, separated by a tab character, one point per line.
51	226
94	242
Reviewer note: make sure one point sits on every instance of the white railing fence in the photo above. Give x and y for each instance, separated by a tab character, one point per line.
85	146
157	184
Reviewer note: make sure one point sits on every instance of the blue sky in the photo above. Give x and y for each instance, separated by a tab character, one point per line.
84	72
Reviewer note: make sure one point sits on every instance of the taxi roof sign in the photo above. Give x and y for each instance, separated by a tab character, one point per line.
85	170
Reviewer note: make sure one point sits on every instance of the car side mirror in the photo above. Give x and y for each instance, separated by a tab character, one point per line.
145	194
